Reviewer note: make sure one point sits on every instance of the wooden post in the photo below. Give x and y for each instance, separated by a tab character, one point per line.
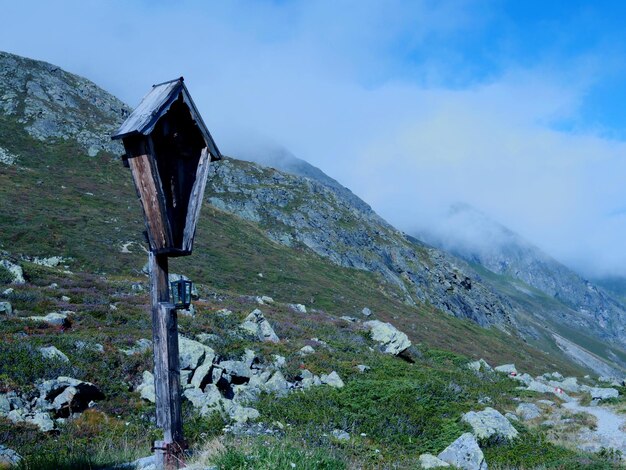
169	451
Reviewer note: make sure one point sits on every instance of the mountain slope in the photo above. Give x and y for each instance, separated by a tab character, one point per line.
479	240
81	207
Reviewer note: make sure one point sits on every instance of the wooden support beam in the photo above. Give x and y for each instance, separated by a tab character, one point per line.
169	451
195	199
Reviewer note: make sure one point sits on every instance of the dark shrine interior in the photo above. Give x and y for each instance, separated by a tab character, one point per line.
177	144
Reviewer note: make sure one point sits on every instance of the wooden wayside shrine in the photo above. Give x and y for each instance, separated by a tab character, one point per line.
168	150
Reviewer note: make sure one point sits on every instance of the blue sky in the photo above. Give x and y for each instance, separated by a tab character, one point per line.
515	107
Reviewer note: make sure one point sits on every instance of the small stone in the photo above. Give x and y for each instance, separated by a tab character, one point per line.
341	435
350	319
279	361
366	312
427	461
480	365
141	346
224	312
6	308
306	350
51	352
300	308
146	388
65	298
363	368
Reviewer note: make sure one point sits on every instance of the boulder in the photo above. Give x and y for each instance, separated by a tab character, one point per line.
201	375
277	384
332	379
6	308
8	457
464	453
199	399
5	404
599	393
264	300
192	353
528	411
16	271
488	423
242	414
526	379
146	387
53	318
507	369
256	324
42	420
427	461
392	340
300	308
50	352
306	350
68	395
479	365
239	371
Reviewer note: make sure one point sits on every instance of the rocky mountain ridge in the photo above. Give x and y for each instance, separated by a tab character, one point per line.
52	103
489	244
303	211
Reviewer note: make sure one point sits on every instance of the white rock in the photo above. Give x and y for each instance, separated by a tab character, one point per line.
366	312
528	411
141	346
50	352
6	308
488	423
300	308
332	379
464	453
392	340
599	393
257	325
363	368
15	270
8	457
146	388
340	435
479	365
506	369
192	353
427	461
201	374
306	350
53	318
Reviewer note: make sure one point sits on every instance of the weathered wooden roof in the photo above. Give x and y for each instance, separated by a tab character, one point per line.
155	104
